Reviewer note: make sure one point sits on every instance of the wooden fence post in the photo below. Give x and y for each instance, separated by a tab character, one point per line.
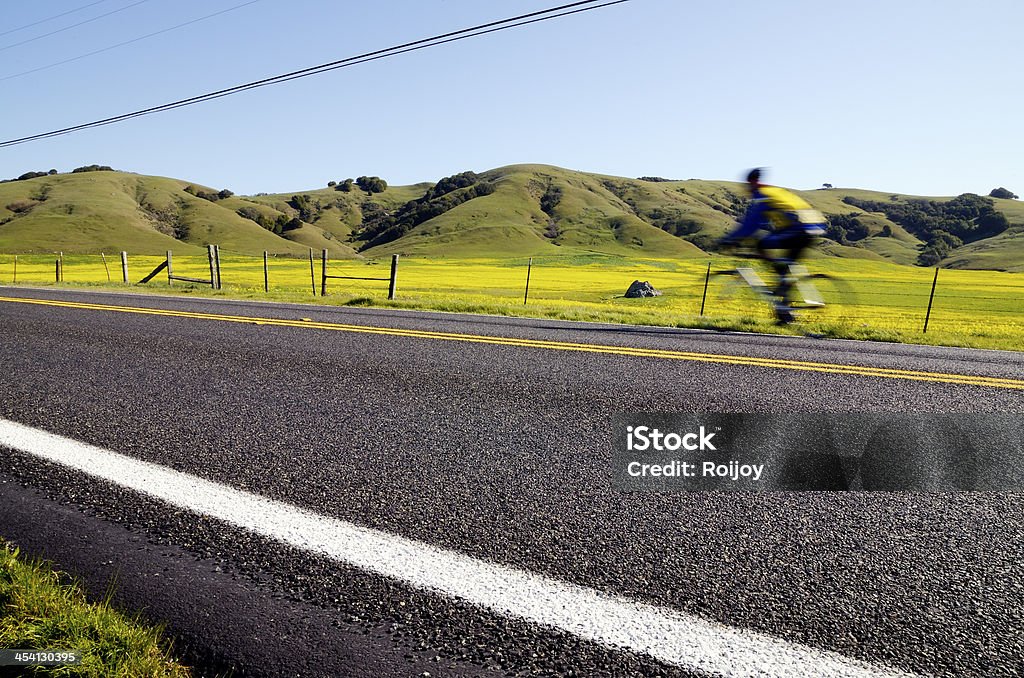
931	297
105	267
707	277
213	267
216	259
170	272
15	268
312	273
266	273
393	286
529	269
124	267
323	273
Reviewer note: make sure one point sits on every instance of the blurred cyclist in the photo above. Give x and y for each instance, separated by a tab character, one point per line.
792	225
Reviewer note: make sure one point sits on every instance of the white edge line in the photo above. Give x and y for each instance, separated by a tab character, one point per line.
666	635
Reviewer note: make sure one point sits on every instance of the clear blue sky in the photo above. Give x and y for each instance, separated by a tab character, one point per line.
914	96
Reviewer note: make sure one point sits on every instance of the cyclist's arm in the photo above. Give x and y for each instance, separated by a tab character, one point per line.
753	221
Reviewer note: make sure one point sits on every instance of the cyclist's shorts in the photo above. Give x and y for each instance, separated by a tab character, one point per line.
795	237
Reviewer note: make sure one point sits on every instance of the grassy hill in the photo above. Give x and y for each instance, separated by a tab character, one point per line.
514	211
113	211
578	214
1004	252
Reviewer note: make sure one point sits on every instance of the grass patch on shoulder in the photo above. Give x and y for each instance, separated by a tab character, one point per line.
42	609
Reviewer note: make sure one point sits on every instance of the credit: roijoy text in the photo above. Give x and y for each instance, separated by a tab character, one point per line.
641	438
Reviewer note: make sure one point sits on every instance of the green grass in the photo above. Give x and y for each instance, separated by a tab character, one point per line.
43	609
980	309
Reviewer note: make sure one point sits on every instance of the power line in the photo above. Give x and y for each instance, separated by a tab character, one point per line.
128	42
68	28
475	31
51	18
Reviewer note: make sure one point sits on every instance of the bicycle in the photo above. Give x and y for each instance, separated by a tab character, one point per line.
808	292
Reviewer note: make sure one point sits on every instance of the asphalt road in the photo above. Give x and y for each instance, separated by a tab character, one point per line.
494	444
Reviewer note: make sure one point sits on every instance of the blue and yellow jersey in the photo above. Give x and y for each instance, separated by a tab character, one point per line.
776	209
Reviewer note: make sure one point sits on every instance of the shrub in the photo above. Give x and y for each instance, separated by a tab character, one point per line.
92	168
372	184
252	214
938	248
967	217
680	226
845	228
1002	193
706	242
22	206
205	195
42	193
309	209
452	183
549	201
276	225
380	227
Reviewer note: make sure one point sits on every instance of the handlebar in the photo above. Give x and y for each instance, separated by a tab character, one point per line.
742	252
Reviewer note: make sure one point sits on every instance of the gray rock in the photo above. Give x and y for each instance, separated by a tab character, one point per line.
641	289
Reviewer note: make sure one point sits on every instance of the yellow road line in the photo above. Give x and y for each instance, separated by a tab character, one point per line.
750	361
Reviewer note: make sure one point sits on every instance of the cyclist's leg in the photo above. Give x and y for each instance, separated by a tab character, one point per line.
766	247
795	245
798	245
792	241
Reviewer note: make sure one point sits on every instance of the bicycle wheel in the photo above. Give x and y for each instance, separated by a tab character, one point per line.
725	285
737	291
822	291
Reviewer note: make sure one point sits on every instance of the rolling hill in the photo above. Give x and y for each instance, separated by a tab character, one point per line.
519	210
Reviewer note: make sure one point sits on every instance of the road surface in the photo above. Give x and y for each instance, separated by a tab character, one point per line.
301	490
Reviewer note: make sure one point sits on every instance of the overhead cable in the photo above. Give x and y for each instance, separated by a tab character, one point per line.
475	31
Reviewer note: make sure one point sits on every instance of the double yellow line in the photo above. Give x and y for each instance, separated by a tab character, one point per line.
749	361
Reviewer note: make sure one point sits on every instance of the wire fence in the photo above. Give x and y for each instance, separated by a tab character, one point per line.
885	296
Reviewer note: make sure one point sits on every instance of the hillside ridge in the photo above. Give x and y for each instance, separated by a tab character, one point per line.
510	211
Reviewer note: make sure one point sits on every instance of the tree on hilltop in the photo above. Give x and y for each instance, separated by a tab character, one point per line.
92	168
372	184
